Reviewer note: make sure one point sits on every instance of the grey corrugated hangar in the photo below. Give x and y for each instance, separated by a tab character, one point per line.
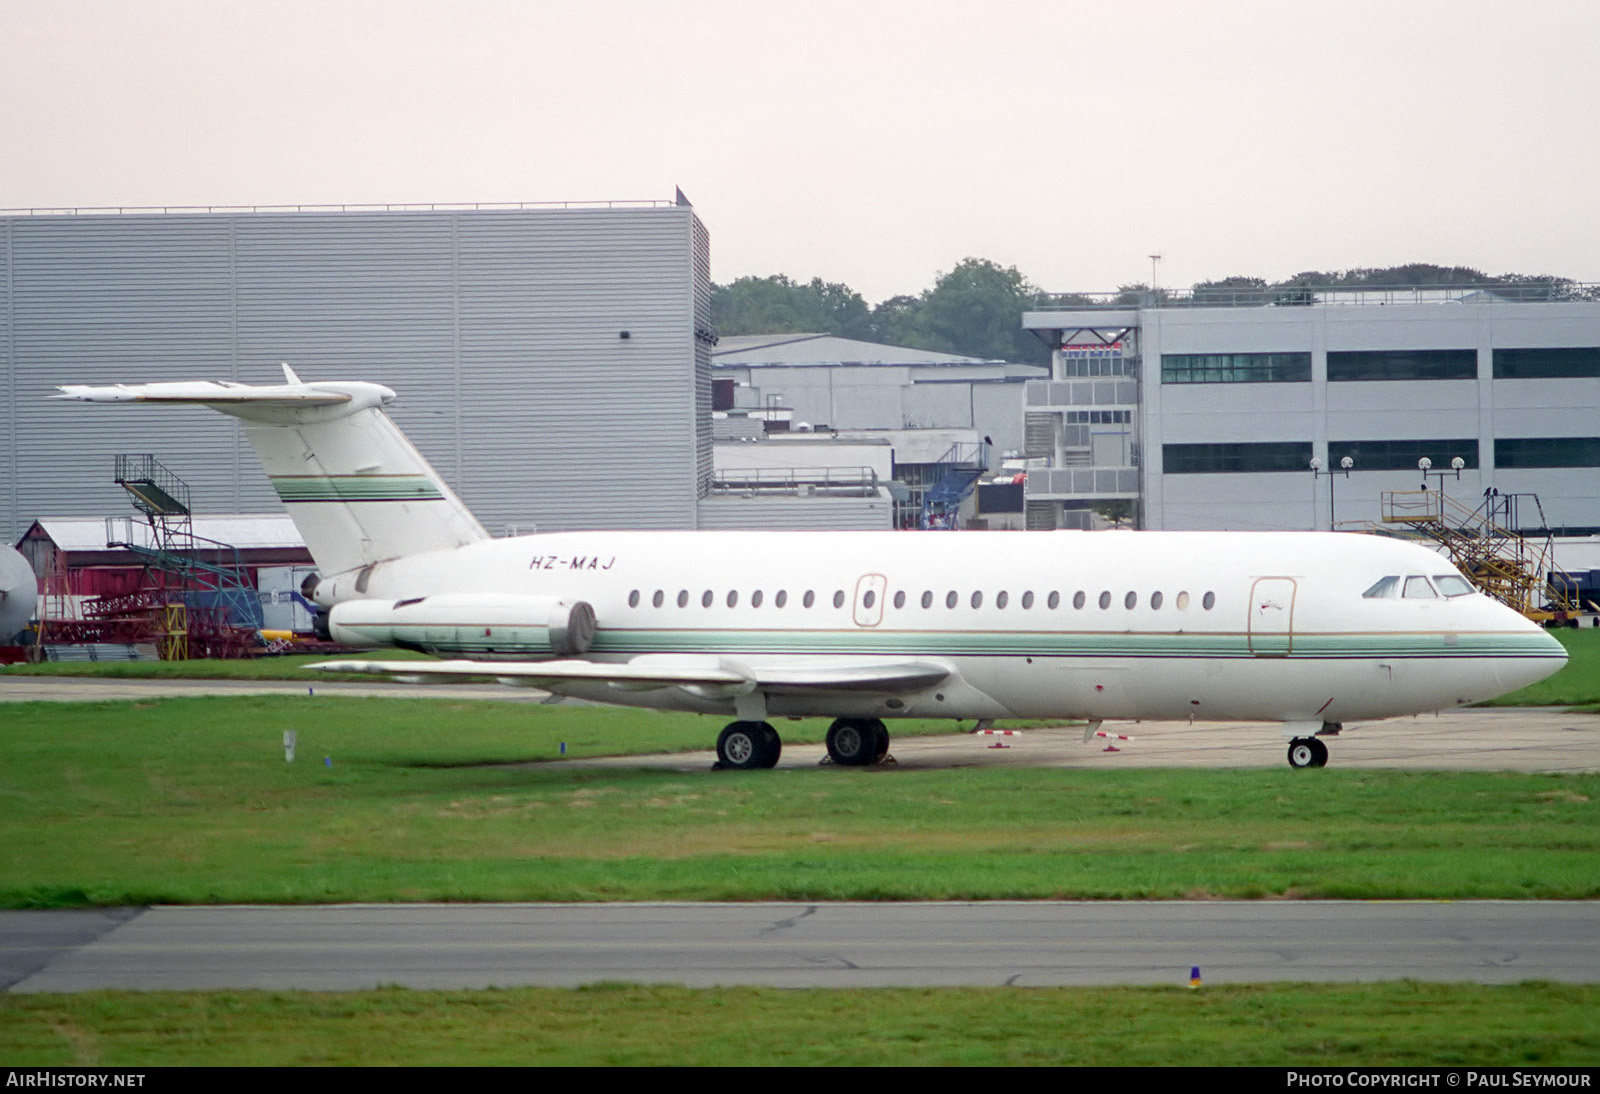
552	361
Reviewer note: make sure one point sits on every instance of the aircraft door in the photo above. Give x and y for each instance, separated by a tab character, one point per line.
1272	616
870	589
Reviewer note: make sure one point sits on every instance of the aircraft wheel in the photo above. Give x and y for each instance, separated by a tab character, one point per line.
852	742
773	746
746	746
880	734
1307	752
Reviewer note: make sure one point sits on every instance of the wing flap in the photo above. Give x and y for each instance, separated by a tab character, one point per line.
789	677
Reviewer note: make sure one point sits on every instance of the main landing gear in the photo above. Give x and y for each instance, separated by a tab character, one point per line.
1307	752
745	746
852	742
856	742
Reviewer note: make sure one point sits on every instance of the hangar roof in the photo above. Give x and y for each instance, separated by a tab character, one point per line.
252	531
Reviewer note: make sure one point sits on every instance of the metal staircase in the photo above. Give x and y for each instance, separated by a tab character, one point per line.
1517	570
194	596
960	467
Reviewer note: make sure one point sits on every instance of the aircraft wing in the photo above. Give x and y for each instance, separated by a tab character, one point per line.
664	670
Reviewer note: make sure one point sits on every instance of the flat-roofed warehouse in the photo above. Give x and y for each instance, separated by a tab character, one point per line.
1205	411
552	361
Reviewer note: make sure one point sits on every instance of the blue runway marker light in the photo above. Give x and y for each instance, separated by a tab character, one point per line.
1194	977
327	761
563	748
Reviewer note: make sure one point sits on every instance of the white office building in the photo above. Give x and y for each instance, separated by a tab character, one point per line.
1208	414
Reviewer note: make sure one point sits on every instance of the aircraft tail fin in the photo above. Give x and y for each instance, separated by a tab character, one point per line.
356	487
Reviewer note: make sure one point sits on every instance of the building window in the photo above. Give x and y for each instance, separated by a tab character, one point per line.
1567	362
1235	368
1547	452
1402	364
1202	459
1402	455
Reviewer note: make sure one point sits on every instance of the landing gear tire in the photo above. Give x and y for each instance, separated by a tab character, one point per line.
881	732
747	746
857	742
1307	752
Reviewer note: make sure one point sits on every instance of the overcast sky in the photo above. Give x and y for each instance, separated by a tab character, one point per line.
867	142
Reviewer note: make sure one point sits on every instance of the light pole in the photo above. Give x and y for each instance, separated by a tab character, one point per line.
1345	464
1154	260
1425	465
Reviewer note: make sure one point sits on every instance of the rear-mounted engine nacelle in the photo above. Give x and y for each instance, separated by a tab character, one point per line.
528	628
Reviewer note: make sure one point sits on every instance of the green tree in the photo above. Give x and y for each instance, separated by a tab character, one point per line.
975	309
777	305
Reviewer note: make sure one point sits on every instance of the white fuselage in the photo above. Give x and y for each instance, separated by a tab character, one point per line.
1209	625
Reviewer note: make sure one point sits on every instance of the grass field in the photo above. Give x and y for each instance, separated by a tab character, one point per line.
190	801
1397	1024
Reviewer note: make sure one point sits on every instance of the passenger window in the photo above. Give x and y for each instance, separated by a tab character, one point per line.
977	600
683	598
633	599
1208	601
950	599
781	599
809	599
838	598
1417	588
755	599
1384	588
1130	601
1183	601
733	598
1079	600
900	599
1001	599
656	601
927	598
706	598
1053	602
1155	602
1453	584
1105	600
868	598
1027	600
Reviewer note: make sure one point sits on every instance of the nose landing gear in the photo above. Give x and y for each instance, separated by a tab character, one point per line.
1307	752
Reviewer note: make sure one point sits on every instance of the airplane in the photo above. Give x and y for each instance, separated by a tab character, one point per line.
1306	629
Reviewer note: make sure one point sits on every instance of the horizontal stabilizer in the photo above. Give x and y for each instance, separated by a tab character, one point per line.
205	393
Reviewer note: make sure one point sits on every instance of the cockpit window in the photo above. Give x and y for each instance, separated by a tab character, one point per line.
1453	584
1417	588
1386	587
